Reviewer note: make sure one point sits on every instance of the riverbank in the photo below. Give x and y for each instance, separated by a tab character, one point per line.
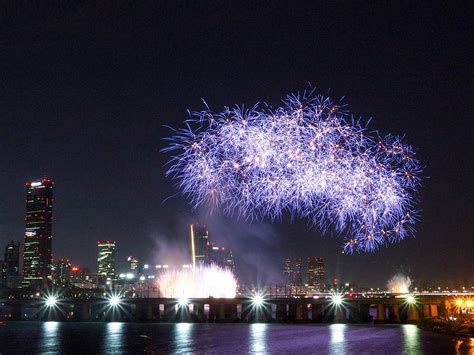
458	327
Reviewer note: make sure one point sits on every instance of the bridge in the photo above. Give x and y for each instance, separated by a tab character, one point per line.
357	309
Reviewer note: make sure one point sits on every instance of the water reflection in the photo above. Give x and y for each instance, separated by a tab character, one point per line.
338	343
114	337
464	346
411	335
258	338
183	340
50	338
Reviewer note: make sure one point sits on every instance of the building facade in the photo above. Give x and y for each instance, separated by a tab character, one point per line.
11	265
106	259
37	255
199	244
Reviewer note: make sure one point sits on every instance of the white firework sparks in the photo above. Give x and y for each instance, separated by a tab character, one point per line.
201	282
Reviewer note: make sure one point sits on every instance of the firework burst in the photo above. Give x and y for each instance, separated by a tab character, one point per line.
201	282
307	158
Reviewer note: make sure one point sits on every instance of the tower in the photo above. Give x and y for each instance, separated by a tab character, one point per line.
199	244
106	259
37	255
11	265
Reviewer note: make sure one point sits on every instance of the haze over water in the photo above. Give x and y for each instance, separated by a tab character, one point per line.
71	338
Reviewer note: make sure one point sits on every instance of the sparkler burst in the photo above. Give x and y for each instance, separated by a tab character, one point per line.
202	282
307	158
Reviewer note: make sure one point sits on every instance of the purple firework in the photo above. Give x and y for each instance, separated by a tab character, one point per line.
306	158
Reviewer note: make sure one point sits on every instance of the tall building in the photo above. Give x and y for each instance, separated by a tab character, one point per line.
320	274
293	271
132	264
316	273
220	256
11	265
37	256
199	244
106	259
312	266
62	272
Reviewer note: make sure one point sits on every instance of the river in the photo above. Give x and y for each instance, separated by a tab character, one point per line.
90	338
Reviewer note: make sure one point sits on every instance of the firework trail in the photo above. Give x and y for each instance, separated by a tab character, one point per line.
399	283
307	158
201	282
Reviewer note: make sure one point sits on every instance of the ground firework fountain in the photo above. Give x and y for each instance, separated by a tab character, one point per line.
399	283
307	158
201	282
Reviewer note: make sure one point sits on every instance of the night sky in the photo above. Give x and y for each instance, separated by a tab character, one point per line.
87	87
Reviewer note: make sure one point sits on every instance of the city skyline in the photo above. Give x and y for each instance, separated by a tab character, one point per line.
92	114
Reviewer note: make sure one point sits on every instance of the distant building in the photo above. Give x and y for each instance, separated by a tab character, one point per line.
203	252
199	244
220	256
106	259
62	272
293	271
316	273
132	264
11	265
37	256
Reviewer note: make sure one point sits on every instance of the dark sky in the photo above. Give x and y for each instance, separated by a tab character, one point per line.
87	86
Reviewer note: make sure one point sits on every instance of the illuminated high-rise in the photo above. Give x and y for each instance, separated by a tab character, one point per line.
37	255
199	244
106	259
11	265
293	271
320	274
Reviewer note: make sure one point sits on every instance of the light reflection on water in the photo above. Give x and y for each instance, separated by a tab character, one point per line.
411	336
88	338
258	338
338	343
114	337
50	341
183	340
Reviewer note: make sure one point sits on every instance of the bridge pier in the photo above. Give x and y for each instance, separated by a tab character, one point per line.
281	312
198	312
316	313
292	312
434	310
413	314
82	311
340	314
381	318
394	313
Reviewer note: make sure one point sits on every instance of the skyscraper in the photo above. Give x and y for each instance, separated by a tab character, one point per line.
312	267
37	256
11	265
199	244
320	274
106	259
220	256
62	272
293	271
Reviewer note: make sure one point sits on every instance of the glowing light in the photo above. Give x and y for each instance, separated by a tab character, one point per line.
35	184
305	158
183	301
199	282
399	284
51	301
411	299
336	299
459	302
114	301
257	300
469	303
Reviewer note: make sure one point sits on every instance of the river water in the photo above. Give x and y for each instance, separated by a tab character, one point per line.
91	338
